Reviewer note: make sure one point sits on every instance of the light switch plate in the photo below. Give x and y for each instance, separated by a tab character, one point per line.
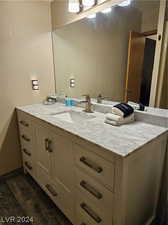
35	85
72	83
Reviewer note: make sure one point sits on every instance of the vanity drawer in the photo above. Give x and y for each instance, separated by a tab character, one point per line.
94	191
28	165
26	141
24	120
45	183
57	192
26	129
81	220
26	151
95	166
90	213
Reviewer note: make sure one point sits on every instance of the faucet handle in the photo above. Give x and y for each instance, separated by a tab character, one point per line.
99	98
87	96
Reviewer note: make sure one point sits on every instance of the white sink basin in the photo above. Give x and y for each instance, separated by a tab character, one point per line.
73	116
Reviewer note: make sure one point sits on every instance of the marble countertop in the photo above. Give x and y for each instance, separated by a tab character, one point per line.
155	112
148	110
122	140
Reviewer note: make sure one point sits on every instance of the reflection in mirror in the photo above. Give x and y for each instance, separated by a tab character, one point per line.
110	53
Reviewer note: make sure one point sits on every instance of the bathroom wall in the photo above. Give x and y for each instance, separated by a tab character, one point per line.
150	14
25	53
60	14
94	52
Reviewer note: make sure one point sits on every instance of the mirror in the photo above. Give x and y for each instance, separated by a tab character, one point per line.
110	53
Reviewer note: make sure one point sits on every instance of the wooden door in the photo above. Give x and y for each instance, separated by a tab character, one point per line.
134	66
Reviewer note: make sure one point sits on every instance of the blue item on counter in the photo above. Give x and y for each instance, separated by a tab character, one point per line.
67	101
72	102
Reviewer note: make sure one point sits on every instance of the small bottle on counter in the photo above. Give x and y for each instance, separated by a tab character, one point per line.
67	101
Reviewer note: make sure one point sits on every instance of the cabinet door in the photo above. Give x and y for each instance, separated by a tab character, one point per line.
62	161
43	153
62	174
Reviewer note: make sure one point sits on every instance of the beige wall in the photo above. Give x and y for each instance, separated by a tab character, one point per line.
60	14
25	53
150	15
94	52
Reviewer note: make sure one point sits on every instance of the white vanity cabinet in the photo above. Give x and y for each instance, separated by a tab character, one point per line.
48	157
91	185
54	165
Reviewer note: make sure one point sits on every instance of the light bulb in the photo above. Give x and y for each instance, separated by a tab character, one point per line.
125	3
73	6
88	3
108	10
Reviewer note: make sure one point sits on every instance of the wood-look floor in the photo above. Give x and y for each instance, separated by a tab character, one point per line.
20	196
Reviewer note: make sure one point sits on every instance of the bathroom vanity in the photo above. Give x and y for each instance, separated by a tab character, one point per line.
95	173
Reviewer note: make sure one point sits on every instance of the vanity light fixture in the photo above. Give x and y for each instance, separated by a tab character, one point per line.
125	3
74	6
101	1
108	10
92	16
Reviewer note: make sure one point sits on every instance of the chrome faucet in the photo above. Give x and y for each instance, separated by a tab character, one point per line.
99	99
88	105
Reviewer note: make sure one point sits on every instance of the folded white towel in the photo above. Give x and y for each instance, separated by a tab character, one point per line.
111	116
117	111
126	120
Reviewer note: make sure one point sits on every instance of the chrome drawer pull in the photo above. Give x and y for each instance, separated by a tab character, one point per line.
89	164
90	189
51	190
26	152
24	123
48	145
25	138
28	166
90	212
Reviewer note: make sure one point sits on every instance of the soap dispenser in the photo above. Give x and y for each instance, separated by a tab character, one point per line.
67	101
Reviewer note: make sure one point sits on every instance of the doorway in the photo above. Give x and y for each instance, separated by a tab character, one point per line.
149	54
141	54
